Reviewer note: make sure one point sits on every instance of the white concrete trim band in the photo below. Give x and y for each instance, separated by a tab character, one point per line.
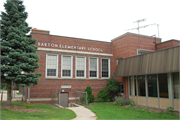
73	51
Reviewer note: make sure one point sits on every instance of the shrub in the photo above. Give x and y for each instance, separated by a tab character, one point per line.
102	96
90	95
112	88
88	90
119	101
171	110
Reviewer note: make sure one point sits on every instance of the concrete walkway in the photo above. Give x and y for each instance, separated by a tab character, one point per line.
15	96
83	113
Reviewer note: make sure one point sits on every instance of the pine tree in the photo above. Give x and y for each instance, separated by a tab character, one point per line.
18	50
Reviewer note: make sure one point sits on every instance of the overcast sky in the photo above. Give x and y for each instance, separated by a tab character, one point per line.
104	19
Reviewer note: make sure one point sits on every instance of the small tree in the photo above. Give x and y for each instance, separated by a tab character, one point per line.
18	50
90	95
112	88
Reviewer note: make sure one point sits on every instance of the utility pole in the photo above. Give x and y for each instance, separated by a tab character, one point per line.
141	20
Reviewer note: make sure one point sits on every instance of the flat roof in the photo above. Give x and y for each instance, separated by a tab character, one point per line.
133	34
168	41
69	37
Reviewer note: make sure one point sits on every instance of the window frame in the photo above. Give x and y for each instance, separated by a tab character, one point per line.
62	66
97	67
84	67
108	68
56	66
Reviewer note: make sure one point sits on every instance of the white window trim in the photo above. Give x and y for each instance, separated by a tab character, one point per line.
108	66
56	66
71	66
84	67
97	67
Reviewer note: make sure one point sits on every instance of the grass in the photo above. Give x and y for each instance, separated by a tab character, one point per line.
3	90
19	93
47	112
111	111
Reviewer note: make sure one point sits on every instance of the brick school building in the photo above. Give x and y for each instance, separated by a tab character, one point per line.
71	64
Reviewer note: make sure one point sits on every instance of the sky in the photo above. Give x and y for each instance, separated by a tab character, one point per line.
104	20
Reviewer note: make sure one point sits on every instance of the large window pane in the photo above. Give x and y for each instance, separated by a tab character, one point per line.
66	66
51	65
132	85
105	68
80	66
141	85
163	86
175	77
152	85
93	67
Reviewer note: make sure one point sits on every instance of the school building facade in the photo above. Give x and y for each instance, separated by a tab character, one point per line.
71	64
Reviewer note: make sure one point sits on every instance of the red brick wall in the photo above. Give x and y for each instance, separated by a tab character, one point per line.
127	45
61	41
124	46
167	44
125	85
47	85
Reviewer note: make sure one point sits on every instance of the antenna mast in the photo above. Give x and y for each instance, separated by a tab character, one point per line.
141	20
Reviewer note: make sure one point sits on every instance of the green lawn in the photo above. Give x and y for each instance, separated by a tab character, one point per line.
3	90
19	93
47	112
111	111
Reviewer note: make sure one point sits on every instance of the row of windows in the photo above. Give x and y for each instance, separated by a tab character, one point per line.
67	66
153	87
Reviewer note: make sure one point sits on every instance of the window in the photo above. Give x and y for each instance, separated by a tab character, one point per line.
80	67
51	65
121	87
66	66
105	68
141	85
152	85
143	51
176	88
93	67
163	86
132	85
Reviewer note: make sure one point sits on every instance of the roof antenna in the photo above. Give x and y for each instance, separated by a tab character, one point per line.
141	20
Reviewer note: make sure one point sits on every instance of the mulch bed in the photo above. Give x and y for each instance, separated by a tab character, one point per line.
18	108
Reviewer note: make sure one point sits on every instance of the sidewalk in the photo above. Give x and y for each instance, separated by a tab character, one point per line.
15	96
83	113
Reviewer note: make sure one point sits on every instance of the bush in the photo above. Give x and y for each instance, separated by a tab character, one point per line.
88	90
90	95
112	88
119	101
102	96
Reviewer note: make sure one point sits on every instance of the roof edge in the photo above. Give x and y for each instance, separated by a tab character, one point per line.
133	34
72	37
168	41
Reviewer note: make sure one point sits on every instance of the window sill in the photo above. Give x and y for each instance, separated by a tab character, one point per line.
48	78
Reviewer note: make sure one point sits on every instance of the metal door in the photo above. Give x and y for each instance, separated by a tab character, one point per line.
64	98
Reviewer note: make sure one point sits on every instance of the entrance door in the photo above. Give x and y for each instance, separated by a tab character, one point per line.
64	98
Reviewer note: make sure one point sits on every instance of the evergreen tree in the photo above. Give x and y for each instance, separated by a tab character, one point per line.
18	50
